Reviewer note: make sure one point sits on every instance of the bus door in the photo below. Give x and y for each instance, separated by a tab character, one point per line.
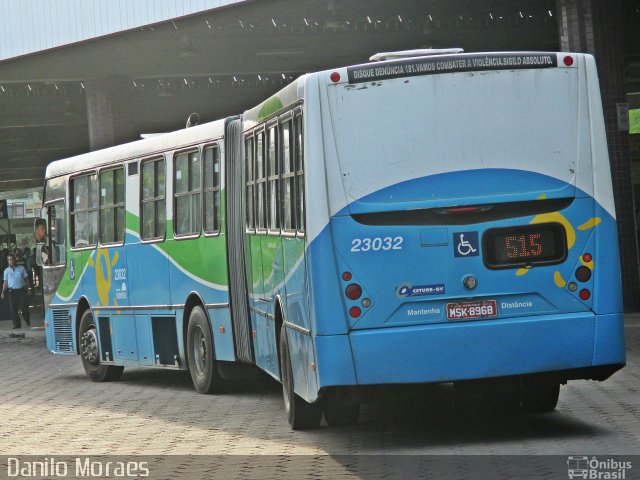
51	256
258	301
272	256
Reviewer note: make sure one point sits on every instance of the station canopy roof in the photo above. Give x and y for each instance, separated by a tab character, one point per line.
222	61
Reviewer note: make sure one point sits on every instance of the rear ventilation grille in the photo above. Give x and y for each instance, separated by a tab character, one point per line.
62	333
460	215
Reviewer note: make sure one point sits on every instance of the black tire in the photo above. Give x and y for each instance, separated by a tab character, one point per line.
90	352
339	411
300	414
539	397
201	355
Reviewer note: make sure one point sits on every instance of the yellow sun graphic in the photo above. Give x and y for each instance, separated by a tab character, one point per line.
571	237
103	265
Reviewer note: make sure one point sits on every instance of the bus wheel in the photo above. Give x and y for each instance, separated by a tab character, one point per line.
90	352
202	363
338	410
539	397
301	414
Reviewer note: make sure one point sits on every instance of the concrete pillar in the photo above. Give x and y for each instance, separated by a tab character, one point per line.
575	24
595	26
107	103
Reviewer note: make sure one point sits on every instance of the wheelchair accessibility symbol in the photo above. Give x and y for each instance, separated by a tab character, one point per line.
466	244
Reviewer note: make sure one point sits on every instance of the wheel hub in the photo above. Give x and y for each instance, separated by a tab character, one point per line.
203	351
200	351
89	346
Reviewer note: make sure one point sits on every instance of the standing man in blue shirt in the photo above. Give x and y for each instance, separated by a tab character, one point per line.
16	282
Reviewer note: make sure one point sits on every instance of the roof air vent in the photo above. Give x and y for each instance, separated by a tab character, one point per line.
421	52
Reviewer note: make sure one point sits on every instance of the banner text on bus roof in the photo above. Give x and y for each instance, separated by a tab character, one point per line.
450	64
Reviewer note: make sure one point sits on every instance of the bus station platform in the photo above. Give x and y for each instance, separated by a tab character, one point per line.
36	330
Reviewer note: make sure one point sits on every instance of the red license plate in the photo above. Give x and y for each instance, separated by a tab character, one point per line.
466	310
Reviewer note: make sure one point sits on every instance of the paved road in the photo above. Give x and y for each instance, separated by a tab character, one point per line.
49	407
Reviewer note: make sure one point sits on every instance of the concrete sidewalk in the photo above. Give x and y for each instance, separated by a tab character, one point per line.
36	331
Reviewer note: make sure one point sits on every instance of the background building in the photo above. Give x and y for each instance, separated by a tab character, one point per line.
82	75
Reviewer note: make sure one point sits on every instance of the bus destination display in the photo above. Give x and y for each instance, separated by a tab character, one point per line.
524	245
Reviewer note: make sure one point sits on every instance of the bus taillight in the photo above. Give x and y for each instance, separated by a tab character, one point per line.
583	274
585	294
355	312
353	291
568	61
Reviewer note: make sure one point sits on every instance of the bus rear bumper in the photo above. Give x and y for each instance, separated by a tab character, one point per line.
474	350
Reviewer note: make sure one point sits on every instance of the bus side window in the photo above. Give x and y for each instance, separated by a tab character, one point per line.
299	169
273	179
84	210
287	185
112	206
250	205
211	189
153	212
187	211
261	181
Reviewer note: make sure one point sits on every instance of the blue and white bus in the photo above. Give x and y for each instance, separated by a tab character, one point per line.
421	218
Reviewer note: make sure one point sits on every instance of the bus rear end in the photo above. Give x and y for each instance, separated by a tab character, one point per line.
472	230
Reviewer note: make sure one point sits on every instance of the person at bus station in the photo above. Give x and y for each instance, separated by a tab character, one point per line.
29	264
17	284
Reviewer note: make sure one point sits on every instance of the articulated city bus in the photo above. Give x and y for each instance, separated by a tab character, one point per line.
418	219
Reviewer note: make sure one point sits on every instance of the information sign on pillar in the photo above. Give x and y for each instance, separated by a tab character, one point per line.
622	110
